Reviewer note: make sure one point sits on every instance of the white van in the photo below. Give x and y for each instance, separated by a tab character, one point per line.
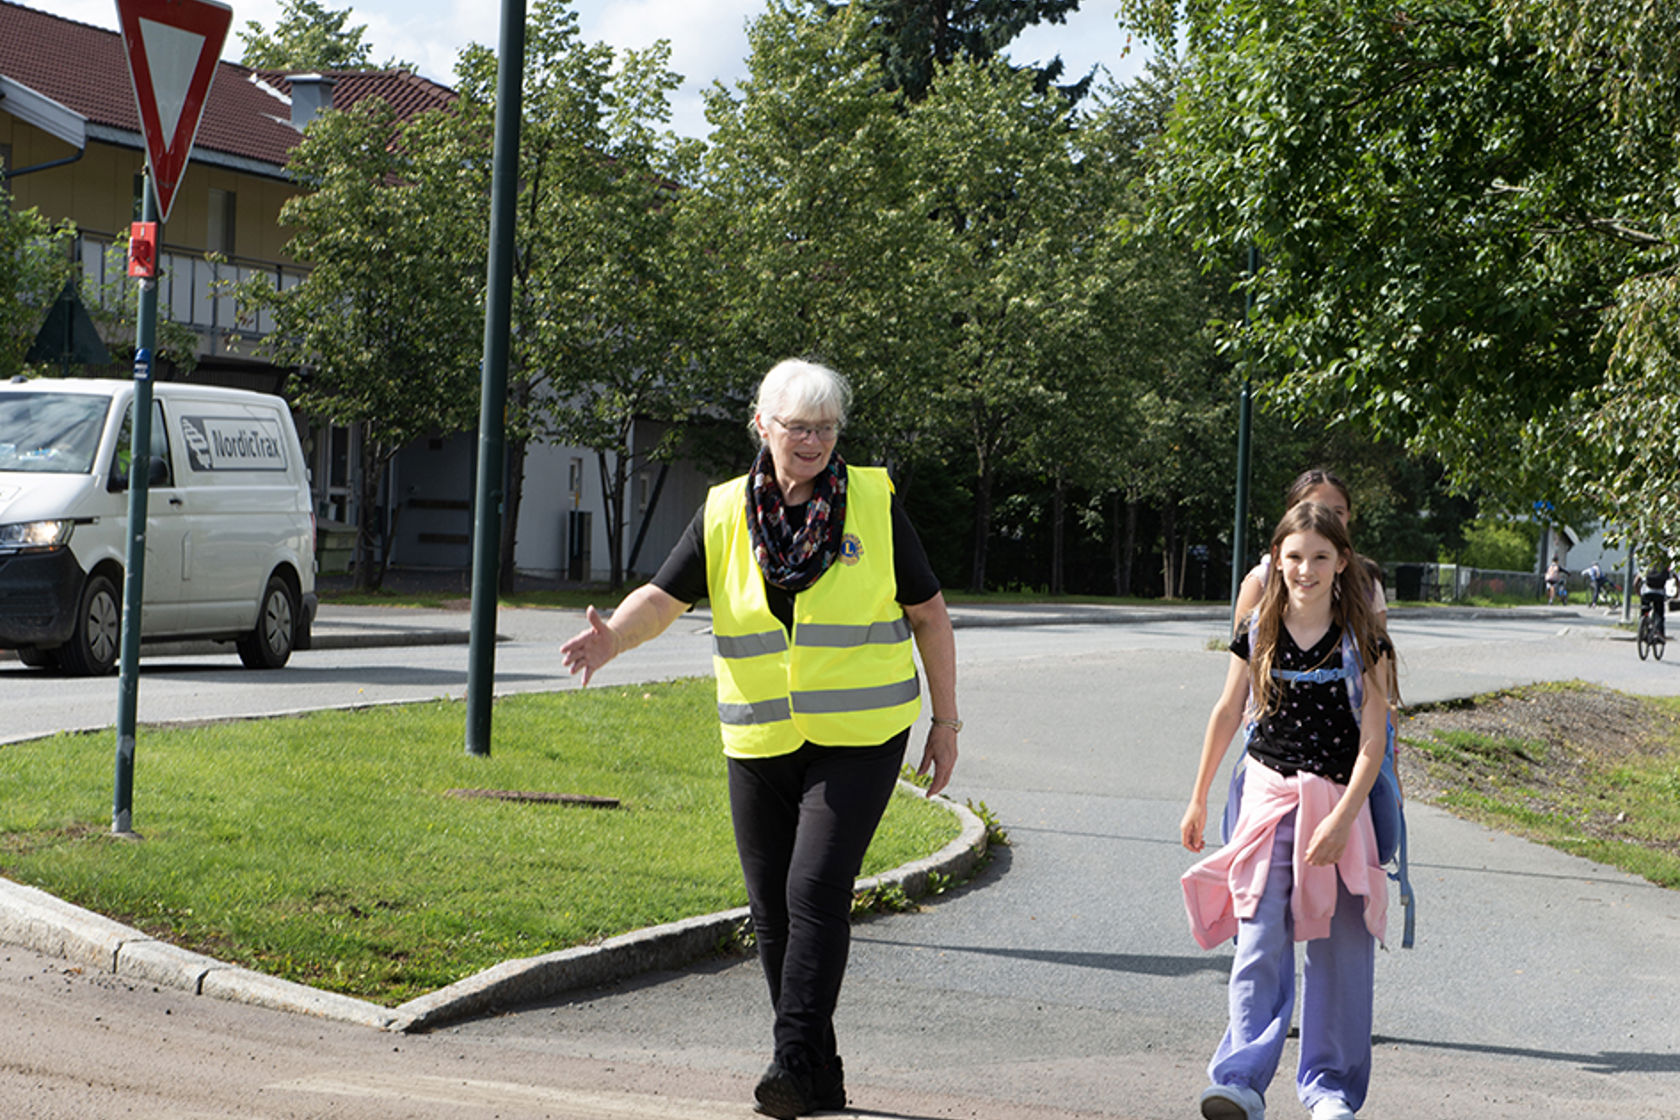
230	526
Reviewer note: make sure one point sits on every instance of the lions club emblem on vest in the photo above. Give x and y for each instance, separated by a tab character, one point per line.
851	548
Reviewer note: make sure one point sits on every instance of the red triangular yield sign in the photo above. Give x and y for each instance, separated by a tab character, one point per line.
172	47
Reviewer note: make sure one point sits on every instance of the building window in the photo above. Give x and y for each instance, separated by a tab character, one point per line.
139	196
5	160
219	237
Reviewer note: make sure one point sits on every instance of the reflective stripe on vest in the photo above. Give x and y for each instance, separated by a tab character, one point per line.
847	677
833	700
750	645
765	711
839	635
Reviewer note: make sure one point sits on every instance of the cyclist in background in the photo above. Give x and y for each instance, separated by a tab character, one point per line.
1596	580
1654	593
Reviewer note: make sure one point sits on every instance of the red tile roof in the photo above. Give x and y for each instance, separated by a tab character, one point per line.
409	94
83	68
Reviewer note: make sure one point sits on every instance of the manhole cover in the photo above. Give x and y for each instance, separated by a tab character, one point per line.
539	796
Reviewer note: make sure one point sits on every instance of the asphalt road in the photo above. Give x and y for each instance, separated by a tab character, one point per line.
1061	984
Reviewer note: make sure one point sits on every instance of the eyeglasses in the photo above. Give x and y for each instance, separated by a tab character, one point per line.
802	432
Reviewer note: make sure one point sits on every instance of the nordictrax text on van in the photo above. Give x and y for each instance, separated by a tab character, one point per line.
230	527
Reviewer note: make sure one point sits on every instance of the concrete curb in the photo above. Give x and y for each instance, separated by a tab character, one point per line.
37	920
32	918
335	638
659	947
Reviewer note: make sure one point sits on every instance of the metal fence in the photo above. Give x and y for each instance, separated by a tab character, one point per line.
1449	583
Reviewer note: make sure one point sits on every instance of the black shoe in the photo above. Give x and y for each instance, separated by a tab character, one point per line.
784	1092
828	1086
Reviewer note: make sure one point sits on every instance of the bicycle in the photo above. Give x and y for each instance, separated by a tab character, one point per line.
1651	638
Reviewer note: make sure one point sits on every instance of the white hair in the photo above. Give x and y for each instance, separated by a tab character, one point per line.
798	389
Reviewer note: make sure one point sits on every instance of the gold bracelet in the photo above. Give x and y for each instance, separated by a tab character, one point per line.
953	724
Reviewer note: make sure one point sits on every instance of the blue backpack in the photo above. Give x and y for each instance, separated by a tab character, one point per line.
1388	815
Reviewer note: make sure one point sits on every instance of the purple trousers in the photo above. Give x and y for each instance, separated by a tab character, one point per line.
1336	989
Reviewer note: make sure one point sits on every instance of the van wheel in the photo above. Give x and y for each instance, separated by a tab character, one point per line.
38	658
94	644
269	645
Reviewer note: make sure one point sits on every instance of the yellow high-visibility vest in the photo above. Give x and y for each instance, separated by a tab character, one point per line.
847	676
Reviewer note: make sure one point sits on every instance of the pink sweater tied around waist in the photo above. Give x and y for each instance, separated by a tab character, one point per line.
1226	886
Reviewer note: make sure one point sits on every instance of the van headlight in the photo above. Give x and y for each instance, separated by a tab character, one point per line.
35	536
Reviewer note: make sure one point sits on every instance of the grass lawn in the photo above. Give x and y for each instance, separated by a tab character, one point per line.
1585	769
328	849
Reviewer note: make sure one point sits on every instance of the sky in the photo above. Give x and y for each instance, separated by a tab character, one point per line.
708	37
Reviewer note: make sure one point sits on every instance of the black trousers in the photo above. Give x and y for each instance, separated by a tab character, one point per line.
802	824
1657	600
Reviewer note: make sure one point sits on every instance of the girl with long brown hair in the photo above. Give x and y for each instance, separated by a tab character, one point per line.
1302	862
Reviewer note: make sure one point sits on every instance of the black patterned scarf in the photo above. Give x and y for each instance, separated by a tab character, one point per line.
795	558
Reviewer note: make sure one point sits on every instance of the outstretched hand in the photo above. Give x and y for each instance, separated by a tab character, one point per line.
591	648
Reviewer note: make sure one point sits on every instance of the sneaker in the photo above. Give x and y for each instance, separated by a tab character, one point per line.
784	1092
1332	1108
1232	1102
828	1086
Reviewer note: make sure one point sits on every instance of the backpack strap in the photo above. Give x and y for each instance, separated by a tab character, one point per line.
1390	774
1312	676
1351	670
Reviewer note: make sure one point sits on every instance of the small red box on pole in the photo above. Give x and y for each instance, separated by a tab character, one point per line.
143	249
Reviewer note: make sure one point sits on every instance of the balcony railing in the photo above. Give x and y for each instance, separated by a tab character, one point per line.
193	291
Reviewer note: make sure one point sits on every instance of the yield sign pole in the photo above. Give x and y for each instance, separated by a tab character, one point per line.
172	47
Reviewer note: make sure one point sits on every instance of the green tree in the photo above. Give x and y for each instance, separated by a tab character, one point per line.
995	172
36	261
385	327
1498	544
1448	219
34	265
960	256
917	38
604	327
1626	55
806	223
307	36
1168	404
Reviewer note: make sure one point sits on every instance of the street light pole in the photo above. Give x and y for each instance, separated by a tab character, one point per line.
492	419
1245	416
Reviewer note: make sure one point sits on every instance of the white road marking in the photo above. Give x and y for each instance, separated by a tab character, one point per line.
577	1104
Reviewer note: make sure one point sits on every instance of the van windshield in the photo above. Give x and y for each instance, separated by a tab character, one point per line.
50	433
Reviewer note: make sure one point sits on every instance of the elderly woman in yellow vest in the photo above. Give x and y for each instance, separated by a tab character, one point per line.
818	583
